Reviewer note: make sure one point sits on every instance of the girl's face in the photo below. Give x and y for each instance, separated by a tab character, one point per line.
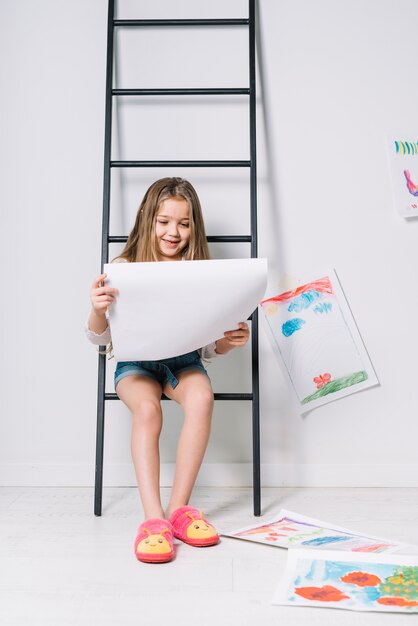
172	228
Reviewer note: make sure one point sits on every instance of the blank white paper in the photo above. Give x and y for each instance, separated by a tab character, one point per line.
165	309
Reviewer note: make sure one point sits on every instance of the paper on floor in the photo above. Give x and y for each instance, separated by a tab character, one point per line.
288	529
358	582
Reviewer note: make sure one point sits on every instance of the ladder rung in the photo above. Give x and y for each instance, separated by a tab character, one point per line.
218	396
233	396
229	238
227	91
210	239
180	163
197	22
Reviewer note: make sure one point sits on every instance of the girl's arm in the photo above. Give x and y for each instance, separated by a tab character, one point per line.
101	298
233	339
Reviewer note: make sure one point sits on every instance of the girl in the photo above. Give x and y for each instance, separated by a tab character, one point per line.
169	227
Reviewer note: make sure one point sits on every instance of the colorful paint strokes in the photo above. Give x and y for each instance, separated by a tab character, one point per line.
288	529
384	583
412	187
313	331
403	163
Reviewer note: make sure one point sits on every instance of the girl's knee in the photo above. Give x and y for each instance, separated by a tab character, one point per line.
147	413
201	398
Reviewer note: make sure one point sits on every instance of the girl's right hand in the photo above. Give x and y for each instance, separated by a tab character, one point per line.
102	296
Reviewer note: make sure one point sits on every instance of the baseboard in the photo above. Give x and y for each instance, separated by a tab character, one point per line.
215	475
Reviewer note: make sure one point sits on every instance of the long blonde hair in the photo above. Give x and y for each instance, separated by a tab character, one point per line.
142	245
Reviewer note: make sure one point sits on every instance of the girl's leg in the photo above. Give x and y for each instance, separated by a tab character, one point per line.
142	396
194	393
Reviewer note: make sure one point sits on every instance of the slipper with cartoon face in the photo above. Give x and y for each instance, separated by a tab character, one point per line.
154	541
190	526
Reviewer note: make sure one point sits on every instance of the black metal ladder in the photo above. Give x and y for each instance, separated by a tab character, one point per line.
250	91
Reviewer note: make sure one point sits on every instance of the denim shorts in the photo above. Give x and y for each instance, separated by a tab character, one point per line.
164	371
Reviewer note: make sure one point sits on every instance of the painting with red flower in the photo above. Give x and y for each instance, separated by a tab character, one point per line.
362	579
327	593
313	332
379	582
321	380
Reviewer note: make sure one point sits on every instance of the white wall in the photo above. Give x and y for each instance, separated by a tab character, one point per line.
334	77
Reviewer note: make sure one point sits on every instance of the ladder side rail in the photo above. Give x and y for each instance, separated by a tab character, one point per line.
98	484
254	253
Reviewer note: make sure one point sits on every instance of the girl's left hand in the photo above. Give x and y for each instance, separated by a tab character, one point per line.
238	337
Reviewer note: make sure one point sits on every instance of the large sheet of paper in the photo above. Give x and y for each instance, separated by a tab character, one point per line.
288	529
403	163
314	332
170	308
372	582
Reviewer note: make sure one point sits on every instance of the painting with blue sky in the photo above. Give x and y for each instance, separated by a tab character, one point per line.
372	582
313	331
288	529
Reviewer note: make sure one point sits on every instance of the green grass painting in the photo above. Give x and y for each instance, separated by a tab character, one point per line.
336	385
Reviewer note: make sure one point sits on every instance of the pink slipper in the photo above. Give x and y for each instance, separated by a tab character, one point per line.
191	527
154	541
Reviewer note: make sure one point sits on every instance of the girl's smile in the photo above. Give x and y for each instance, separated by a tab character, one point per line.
172	228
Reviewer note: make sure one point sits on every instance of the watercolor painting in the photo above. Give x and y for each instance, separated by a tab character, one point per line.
403	164
288	529
313	331
383	583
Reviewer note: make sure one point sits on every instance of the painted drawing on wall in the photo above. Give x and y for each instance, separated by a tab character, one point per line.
314	332
384	583
403	161
288	529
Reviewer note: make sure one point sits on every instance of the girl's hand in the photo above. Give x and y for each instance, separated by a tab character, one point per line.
101	296
238	337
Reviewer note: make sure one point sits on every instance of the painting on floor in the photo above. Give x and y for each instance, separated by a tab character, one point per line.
383	583
314	333
288	529
403	163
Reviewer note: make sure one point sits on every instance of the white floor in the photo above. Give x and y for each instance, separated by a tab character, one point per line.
60	565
